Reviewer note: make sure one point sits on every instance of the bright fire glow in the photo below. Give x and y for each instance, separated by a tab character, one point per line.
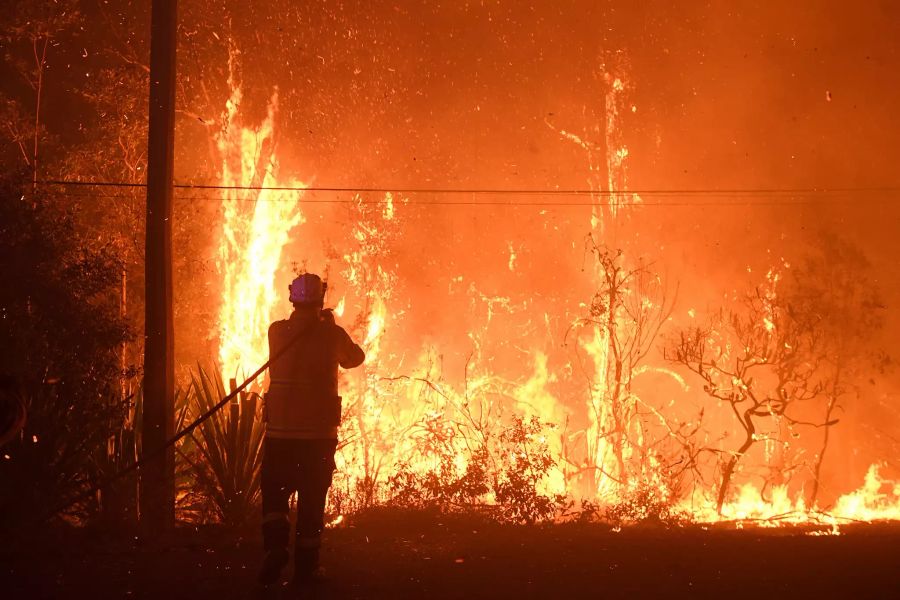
606	441
256	227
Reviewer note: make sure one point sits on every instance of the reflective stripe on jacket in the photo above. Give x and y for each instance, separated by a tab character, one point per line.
302	401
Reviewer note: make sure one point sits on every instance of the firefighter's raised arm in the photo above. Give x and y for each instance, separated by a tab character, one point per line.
350	354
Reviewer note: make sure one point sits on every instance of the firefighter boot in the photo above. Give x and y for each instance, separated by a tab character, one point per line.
275	541
306	566
273	564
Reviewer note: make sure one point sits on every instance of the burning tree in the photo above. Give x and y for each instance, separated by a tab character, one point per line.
832	291
603	143
624	318
782	358
367	412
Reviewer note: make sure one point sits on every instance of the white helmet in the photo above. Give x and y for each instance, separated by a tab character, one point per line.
308	289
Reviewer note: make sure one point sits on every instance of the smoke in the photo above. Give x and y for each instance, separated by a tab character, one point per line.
753	96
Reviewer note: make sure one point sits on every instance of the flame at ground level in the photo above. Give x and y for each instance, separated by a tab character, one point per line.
428	419
877	499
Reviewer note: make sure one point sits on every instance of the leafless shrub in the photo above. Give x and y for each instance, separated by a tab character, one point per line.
645	504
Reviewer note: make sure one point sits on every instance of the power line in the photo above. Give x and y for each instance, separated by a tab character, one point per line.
496	191
729	200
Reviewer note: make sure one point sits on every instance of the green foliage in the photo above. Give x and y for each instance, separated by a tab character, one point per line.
59	319
119	500
224	453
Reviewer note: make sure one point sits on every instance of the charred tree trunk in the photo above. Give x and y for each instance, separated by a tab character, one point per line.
817	468
615	397
728	471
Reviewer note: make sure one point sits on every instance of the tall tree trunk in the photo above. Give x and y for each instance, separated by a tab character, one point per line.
40	60
728	471
123	351
817	468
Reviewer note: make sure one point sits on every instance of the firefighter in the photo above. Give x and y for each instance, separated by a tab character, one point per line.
303	411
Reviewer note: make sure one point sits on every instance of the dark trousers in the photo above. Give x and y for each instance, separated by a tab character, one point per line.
305	467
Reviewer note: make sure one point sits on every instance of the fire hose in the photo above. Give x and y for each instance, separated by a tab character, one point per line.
157	452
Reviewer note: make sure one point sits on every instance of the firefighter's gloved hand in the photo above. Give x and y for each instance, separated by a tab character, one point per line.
328	315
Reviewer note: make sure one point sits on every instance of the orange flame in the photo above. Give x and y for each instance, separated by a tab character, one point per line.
384	411
256	227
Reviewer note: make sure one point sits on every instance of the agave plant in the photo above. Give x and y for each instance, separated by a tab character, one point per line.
227	449
118	499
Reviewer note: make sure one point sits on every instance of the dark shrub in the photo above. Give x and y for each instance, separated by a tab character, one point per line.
60	339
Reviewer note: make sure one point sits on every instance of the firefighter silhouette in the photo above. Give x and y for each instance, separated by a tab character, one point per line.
303	412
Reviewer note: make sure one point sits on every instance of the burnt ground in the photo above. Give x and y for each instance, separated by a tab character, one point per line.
403	555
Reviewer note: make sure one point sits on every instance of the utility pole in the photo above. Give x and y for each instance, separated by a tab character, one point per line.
157	486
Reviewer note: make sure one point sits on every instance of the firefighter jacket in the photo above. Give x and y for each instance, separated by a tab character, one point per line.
302	401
